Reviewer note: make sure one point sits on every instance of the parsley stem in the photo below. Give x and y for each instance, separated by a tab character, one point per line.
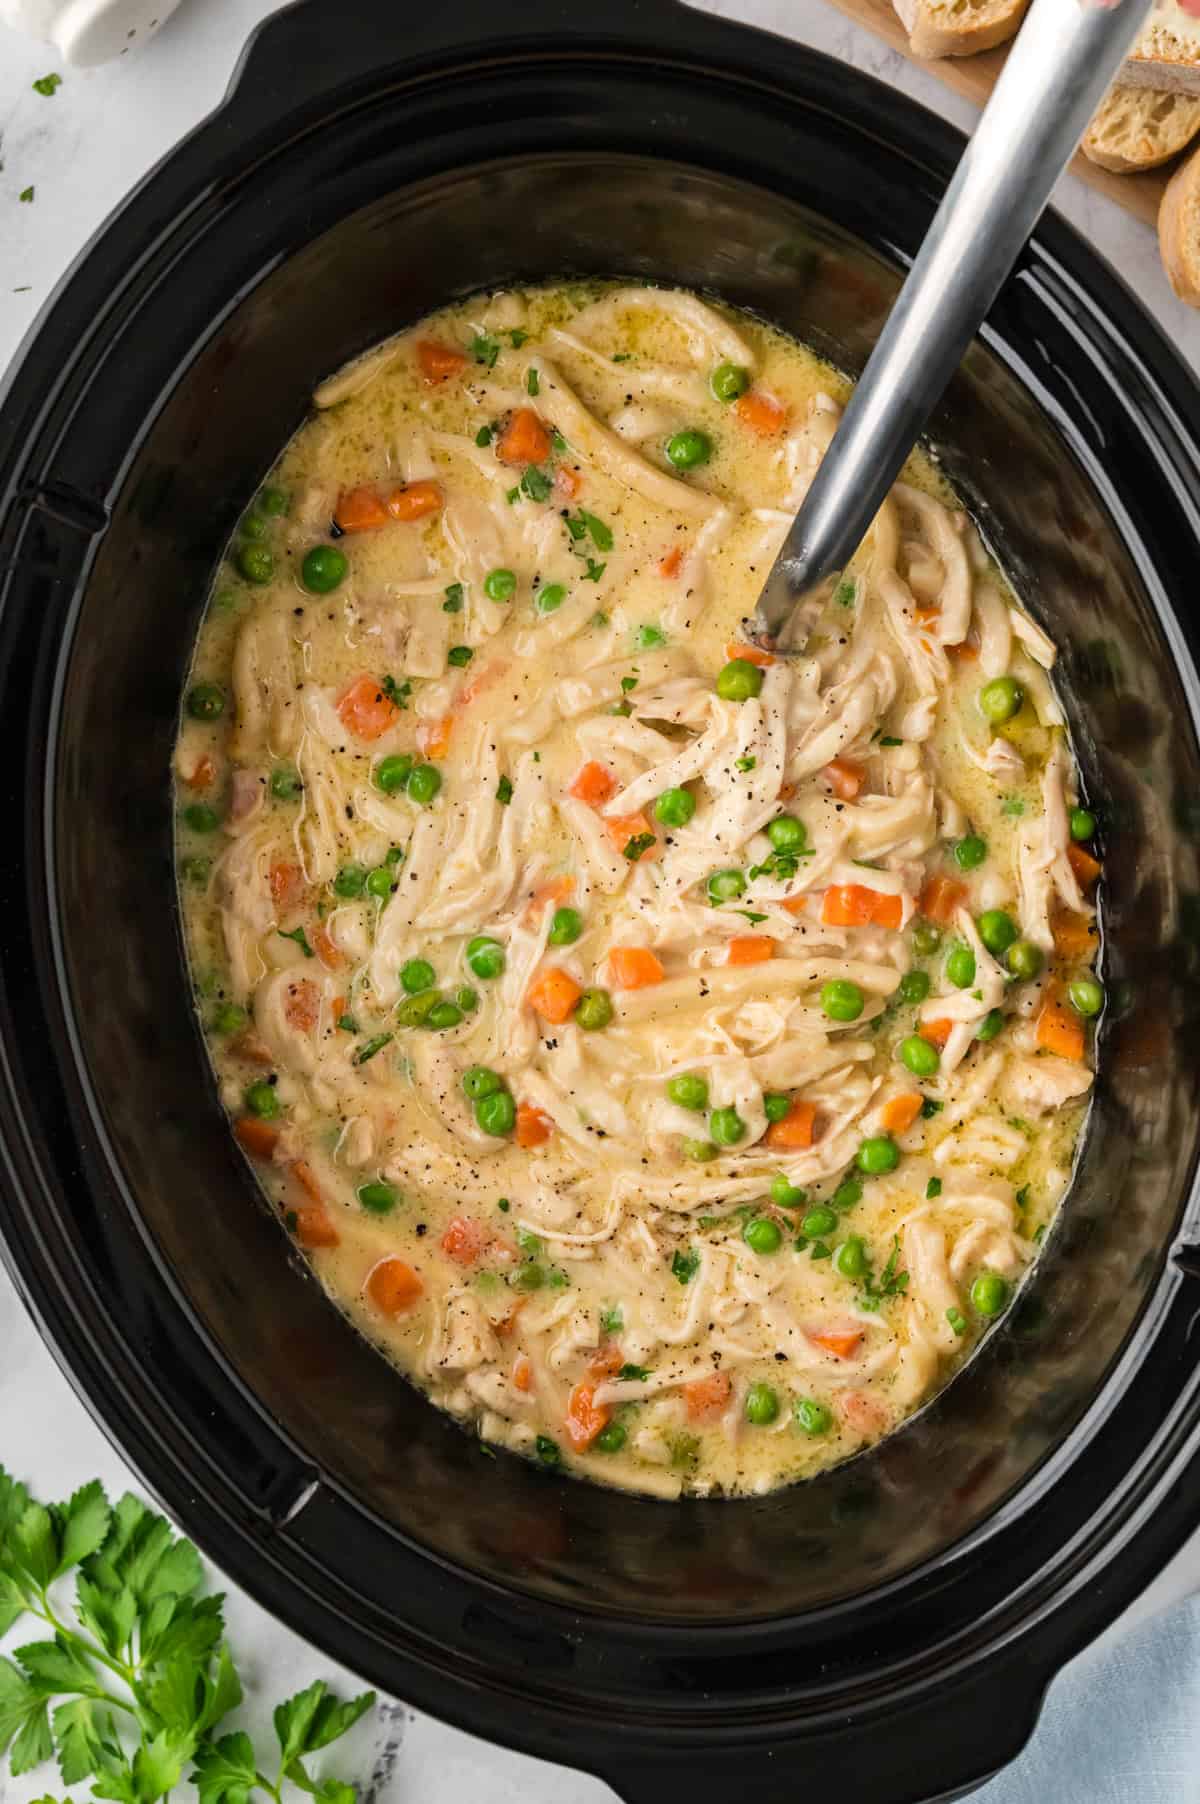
89	1647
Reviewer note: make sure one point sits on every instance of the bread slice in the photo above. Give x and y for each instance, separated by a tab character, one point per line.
1167	54
1179	230
1138	128
958	27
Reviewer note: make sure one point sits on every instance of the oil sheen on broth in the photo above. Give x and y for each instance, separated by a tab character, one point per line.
669	1056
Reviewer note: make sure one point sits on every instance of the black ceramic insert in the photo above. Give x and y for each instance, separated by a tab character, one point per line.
895	1623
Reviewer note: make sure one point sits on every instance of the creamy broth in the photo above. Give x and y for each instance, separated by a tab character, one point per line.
669	1055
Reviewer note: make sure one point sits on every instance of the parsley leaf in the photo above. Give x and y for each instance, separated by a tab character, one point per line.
483	437
633	848
46	84
594	571
933	1188
637	1374
516	337
504	791
845	594
397	693
26	194
745	763
612	1320
301	938
484	350
649	638
375	1044
532	385
685	1265
535	483
602	537
889	739
1012	805
930	1108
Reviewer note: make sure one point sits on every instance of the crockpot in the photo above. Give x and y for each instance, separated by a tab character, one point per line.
892	1626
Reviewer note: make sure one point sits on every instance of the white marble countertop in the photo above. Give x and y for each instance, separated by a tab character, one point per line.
81	150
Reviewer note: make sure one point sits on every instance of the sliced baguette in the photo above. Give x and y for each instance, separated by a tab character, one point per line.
958	27
1137	128
1179	230
1167	54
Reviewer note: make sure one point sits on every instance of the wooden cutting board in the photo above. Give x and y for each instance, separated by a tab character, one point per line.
975	77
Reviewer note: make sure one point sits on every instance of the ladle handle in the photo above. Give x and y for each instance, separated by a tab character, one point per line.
1057	72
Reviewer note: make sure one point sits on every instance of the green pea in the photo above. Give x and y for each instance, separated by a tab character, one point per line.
252	526
324	567
970	852
1086	996
762	1235
551	598
1083	823
206	701
989	1293
739	680
762	1405
417	974
689	1090
255	563
960	966
675	807
201	818
612	1438
775	1105
286	785
688	450
485	956
913	988
229	1019
812	1417
496	1114
1000	699
594	1009
415	1011
423	783
273	502
848	1192
1024	959
350	881
786	1195
699	1150
261	1100
818	1222
379	883
841	999
444	1015
478	1081
728	381
926	938
851	1258
726	1127
918	1056
786	833
500	584
466	998
378	1198
391	774
565	927
878	1155
991	1025
997	930
725	886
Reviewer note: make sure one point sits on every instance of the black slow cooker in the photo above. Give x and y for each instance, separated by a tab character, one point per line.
889	1630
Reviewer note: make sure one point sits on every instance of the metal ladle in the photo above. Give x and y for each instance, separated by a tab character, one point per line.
1058	71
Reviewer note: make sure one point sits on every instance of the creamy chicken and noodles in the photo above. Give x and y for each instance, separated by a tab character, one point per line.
670	1055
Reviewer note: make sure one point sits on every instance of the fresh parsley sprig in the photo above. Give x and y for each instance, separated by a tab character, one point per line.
131	1684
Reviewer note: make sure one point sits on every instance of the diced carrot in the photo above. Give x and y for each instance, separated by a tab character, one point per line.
302	1006
939	899
786	791
315	1226
668	564
360	510
553	994
795	905
1085	867
464	1240
415	500
585	1417
534	1126
287	885
365	710
795	1131
841	1342
258	1138
203	773
393	1286
928	617
966	651
750	949
438	360
1059	1030
888	911
555	890
761	412
707	1397
899	1112
306	1177
524	440
325	949
749	654
593	785
522	1372
607	1361
434	736
567	482
623	828
865	1413
848	905
634	967
844	777
1075	936
936	1032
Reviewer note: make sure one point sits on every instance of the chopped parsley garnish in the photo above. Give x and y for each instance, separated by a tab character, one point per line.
783	865
750	915
1022	1198
397	693
535	483
685	1265
547	1451
599	618
503	1205
957	1320
394	855
347	1024
375	1044
745	763
628	684
459	655
930	1108
483	437
622	356
1012	805
844	594
634	1374
25	194
602	537
301	938
649	638
612	1320
512	495
594	571
46	84
888	739
453	603
575	527
484	350
504	791
819	1250
516	337
531	382
558	441
933	1188
891	1283
633	848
